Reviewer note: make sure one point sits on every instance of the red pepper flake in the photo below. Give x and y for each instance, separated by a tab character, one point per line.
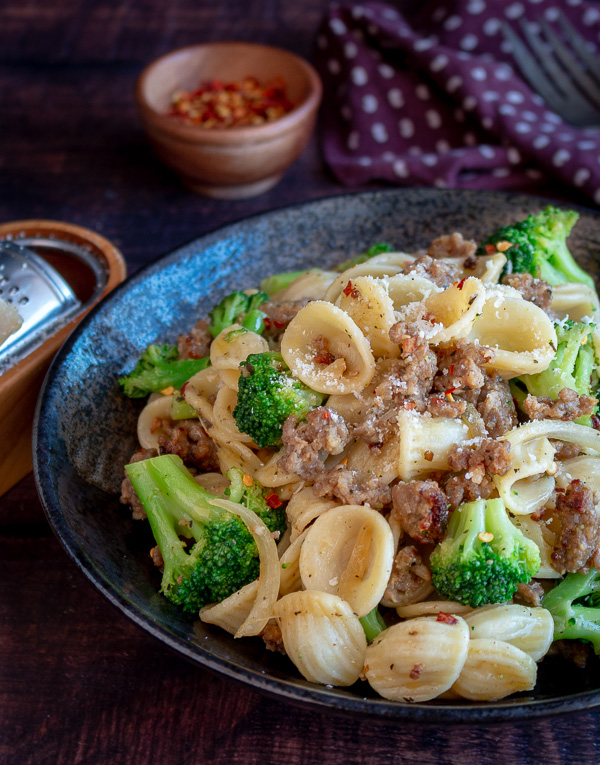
451	370
446	618
247	479
273	501
278	324
267	323
415	672
183	387
461	283
490	249
326	415
215	104
595	422
449	393
348	289
409	405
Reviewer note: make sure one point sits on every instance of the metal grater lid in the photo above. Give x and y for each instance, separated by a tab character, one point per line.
38	292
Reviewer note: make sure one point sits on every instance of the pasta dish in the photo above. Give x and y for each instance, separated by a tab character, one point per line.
387	470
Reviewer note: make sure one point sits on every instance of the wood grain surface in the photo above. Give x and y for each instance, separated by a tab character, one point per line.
79	683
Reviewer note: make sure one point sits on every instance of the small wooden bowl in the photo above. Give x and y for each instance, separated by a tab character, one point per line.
21	383
228	163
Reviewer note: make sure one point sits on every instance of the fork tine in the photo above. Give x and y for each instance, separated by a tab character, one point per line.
532	71
547	60
585	84
579	44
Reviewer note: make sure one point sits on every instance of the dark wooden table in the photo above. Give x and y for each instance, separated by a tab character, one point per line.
78	682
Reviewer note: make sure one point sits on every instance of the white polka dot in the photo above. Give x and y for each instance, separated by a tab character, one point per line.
586	145
395	98
459	115
506	46
513	155
334	66
490	95
365	161
529	116
359	75
469	103
581	176
390	13
464	56
358	12
350	49
353	140
535	2
501	172
537	99
487	151
407	128
433	118
454	83
547	127
573	3
388	156
442	146
415	151
469	42
430	160
438	63
514	11
452	22
551	14
514	97
560	157
400	168
491	26
369	104
507	110
422	92
541	141
478	73
590	16
386	71
552	117
523	127
487	122
597	196
566	137
470	139
503	73
346	112
475	7
379	132
440	183
337	26
321	42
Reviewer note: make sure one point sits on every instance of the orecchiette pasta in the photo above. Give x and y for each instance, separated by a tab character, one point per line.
530	629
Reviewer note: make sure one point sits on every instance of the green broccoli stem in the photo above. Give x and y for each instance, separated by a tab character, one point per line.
563	262
278	282
373	624
254	321
573	621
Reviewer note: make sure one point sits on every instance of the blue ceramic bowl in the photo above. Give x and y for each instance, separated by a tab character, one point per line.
85	429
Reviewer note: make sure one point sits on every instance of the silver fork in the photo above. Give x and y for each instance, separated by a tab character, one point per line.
566	77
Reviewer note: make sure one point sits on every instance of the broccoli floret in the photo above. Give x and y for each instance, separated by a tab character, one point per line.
483	557
264	502
278	282
372	624
267	395
575	608
539	247
218	555
239	308
374	249
574	366
158	368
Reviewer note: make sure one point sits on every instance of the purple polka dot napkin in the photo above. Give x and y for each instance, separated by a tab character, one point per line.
433	97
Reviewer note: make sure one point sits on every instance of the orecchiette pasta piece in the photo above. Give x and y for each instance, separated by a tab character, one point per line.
521	334
530	629
233	345
524	487
544	538
433	608
349	551
487	268
417	660
455	309
399	259
230	378
232	612
214	483
201	390
290	580
574	301
312	285
354	365
304	507
369	462
493	670
158	408
377	270
585	468
371	308
405	289
270	474
354	407
232	453
223	421
322	636
425	442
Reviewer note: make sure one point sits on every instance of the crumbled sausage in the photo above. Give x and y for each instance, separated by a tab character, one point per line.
128	493
565	450
567	407
537	291
345	485
440	273
280	314
410	376
157	557
486	457
531	593
460	366
495	404
410	580
460	489
572	650
188	440
452	246
324	430
440	406
421	508
196	344
272	636
579	537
